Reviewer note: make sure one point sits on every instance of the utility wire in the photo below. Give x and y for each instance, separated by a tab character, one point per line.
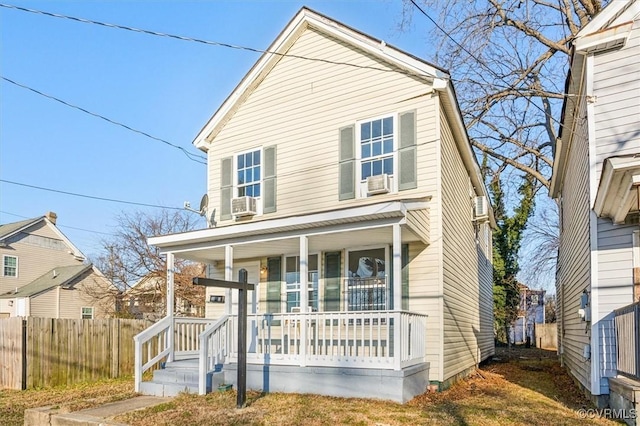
495	74
207	42
190	156
58	225
112	200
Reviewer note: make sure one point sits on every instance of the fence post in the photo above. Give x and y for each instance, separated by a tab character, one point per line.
23	355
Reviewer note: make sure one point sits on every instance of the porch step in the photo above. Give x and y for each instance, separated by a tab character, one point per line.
177	377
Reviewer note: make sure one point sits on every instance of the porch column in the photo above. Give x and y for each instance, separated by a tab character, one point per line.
397	267
304	297
170	304
228	276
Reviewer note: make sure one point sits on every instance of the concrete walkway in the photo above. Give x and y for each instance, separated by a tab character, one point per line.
102	415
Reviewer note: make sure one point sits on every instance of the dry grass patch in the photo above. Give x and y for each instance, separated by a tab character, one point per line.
68	398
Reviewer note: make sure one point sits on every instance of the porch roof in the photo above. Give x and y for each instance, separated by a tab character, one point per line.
356	226
616	195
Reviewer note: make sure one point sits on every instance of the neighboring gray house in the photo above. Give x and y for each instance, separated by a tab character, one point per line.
347	188
595	178
44	274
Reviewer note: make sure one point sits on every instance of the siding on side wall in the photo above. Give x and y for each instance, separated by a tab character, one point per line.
33	260
462	275
617	106
574	258
300	106
44	304
86	291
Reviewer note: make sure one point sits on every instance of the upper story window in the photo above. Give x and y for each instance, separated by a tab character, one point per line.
10	266
248	174
376	147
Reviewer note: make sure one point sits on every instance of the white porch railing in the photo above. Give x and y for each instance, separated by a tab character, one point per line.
363	339
157	344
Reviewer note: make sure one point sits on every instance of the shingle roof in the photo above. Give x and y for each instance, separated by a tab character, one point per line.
10	228
63	275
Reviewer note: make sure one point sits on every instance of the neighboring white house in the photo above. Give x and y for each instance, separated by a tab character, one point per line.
44	274
146	300
595	175
530	312
343	181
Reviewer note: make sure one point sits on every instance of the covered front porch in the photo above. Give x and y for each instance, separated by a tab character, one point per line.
349	333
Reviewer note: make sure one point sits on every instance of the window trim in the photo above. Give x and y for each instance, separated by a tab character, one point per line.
235	185
361	189
4	257
82	313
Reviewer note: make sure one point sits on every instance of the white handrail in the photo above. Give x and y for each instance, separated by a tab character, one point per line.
218	349
144	337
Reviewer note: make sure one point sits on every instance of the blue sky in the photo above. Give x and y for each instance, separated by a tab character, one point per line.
165	87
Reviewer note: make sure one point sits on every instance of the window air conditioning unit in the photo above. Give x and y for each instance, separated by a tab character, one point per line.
379	184
480	208
243	206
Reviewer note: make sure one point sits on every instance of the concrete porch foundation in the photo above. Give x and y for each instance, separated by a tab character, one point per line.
399	386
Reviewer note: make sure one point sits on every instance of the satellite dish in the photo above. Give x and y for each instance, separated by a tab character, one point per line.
204	204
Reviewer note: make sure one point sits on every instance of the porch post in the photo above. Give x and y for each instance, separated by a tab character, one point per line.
170	304
228	276
304	297
397	267
397	296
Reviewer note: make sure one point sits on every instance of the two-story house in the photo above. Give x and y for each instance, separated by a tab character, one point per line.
595	179
44	274
342	180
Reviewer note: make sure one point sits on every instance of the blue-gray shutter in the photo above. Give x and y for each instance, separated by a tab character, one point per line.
269	181
226	187
332	279
347	171
274	284
407	152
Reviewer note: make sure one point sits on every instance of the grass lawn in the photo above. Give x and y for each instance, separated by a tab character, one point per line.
531	391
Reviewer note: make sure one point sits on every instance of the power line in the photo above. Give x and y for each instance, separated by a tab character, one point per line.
206	42
58	225
112	200
495	74
189	155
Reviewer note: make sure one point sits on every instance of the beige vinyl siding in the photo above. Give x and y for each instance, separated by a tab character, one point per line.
617	105
301	105
33	259
87	290
461	273
44	304
574	258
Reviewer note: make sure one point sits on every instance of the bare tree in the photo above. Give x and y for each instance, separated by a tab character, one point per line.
127	259
508	60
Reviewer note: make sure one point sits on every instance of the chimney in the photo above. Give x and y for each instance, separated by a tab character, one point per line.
52	217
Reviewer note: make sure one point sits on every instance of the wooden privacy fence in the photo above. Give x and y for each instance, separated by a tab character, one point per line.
547	336
40	352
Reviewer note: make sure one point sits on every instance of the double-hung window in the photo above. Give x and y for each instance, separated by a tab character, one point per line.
376	144
248	175
292	278
10	266
87	313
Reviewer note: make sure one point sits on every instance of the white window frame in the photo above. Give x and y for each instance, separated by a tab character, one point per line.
346	275
361	185
4	257
236	185
286	290
82	313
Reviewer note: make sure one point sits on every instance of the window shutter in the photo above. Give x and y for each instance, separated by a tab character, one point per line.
274	284
226	187
405	276
269	187
407	153
332	278
347	175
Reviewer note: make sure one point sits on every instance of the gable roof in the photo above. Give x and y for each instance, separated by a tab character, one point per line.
61	276
10	229
403	61
304	19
